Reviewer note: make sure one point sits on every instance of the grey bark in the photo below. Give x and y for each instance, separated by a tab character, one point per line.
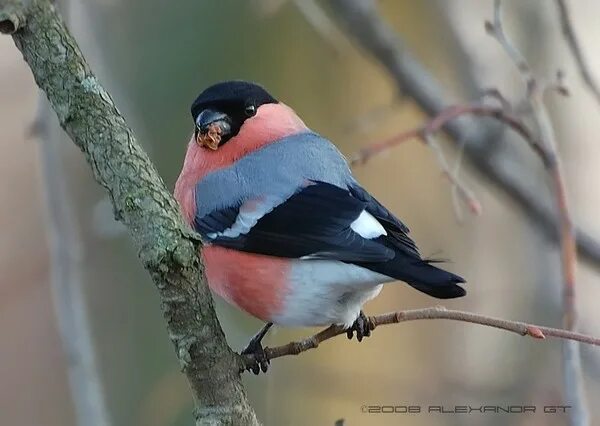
165	245
66	279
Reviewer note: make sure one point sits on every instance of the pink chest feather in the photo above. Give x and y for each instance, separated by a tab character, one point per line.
255	283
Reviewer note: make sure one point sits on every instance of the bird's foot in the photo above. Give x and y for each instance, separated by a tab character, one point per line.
260	362
362	327
255	348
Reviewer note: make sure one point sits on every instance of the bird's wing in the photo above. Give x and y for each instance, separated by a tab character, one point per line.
397	232
319	221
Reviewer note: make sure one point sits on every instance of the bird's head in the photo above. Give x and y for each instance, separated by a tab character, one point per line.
231	119
221	110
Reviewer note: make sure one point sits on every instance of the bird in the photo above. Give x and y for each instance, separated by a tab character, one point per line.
289	235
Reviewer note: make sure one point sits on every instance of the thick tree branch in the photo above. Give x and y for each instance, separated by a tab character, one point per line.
438	312
165	245
66	269
361	20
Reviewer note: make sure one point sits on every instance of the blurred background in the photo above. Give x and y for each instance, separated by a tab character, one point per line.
65	264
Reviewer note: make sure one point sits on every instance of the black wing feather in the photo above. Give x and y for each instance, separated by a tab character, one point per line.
397	231
314	222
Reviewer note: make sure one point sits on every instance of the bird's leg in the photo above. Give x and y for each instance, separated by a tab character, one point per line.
361	326
255	348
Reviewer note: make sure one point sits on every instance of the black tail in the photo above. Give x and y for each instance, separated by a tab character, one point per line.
421	275
432	280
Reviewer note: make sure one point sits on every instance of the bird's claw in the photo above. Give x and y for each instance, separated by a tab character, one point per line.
361	326
260	361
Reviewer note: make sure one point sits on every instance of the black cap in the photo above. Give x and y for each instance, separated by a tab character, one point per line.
231	94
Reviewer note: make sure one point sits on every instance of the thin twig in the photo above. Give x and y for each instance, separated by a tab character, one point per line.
441	120
547	153
437	312
425	133
573	386
363	22
458	187
366	153
456	195
571	39
567	235
572	373
496	29
436	123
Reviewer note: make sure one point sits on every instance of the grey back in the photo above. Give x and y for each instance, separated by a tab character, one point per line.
277	171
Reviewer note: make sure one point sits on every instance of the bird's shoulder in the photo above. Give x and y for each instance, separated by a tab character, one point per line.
278	170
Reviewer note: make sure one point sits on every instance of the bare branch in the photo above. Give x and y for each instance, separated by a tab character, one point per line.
446	116
362	21
571	39
438	122
437	312
66	274
535	95
366	153
458	187
496	30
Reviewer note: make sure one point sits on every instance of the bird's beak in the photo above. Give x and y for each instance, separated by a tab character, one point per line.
211	127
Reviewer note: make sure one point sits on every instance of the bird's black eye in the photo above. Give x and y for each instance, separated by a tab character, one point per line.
250	110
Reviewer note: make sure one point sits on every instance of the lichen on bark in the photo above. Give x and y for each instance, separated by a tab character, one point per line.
166	247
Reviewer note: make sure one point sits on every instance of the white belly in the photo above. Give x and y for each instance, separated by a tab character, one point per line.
325	292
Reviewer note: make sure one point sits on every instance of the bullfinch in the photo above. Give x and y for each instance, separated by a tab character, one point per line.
290	236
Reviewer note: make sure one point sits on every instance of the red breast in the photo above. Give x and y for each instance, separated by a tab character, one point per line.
255	283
